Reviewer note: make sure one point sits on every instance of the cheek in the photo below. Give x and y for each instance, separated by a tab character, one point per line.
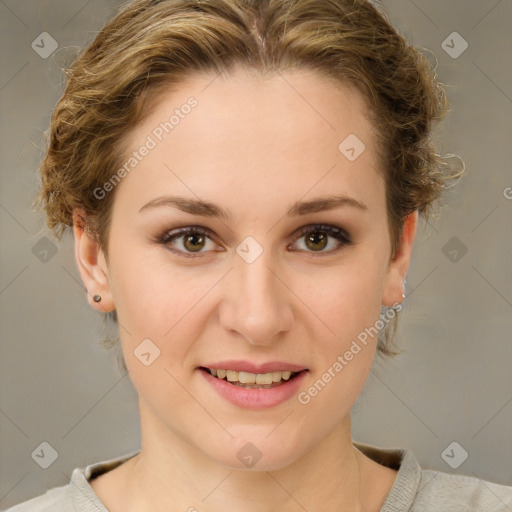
149	293
345	298
344	353
347	303
168	305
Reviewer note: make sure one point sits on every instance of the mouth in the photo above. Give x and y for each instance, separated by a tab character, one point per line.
252	380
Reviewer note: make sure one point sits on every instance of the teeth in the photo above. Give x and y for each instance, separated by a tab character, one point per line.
264	378
246	378
232	376
252	378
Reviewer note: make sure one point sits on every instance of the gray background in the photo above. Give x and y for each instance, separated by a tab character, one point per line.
454	383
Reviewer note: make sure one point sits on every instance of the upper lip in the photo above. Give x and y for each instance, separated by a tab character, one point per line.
246	366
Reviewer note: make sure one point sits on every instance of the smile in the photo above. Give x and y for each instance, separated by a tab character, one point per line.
252	380
252	386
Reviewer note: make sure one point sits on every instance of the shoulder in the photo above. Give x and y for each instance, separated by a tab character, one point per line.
460	493
423	490
57	499
78	494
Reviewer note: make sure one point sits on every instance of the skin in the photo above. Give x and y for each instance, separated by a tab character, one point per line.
254	146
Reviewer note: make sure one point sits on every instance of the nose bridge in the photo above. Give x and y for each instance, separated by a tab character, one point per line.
258	307
257	282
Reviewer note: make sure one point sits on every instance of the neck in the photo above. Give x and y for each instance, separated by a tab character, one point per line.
170	474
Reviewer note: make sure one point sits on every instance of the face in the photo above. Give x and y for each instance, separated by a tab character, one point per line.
285	263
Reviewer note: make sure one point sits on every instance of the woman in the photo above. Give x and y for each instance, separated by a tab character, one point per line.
244	180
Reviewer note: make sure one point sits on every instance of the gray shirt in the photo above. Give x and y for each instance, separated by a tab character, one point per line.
414	489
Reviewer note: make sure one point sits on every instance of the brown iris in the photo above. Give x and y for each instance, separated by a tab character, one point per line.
318	240
191	242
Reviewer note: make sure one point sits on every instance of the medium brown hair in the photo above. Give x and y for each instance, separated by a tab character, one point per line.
153	45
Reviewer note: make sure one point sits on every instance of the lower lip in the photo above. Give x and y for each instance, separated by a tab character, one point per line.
250	398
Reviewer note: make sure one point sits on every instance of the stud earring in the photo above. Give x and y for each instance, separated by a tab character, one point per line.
96	298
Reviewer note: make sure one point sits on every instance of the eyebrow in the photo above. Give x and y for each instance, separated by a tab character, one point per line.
207	209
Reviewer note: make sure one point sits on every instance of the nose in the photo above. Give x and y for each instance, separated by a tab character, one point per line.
256	306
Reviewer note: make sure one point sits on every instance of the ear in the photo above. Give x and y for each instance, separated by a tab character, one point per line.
397	270
91	264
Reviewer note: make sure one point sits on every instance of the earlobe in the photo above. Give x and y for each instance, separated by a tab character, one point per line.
91	265
398	267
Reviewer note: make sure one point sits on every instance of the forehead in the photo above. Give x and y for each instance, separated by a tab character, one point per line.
254	109
288	132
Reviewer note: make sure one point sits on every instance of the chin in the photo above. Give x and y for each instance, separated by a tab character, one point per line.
258	452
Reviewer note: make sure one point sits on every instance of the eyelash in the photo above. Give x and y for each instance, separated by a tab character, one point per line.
331	231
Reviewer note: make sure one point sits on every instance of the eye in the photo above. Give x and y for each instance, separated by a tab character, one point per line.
316	238
193	240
